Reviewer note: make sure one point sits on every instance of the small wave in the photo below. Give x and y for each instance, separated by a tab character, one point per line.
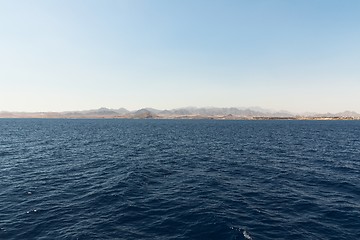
244	232
246	235
32	211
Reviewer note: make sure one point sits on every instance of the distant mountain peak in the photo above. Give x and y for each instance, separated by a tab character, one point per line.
186	112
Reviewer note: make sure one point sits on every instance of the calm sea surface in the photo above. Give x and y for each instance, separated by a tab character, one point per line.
179	179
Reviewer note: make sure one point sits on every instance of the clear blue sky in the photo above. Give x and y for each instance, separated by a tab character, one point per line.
300	55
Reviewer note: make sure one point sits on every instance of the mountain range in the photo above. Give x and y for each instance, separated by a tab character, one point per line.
183	113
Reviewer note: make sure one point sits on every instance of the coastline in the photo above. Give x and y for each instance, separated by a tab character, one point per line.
182	117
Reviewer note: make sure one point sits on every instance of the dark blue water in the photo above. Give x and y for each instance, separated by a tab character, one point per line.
179	179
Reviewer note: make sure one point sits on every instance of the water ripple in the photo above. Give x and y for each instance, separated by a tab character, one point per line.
145	179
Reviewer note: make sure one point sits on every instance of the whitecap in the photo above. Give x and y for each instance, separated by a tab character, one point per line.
246	235
34	211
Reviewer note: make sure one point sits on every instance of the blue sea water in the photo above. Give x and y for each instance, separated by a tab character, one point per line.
179	179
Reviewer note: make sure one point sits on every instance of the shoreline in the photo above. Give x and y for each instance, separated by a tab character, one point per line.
300	118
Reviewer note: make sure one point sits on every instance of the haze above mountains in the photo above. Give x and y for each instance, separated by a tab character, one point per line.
180	113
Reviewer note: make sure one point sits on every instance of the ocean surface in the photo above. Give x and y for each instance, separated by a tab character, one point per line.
179	179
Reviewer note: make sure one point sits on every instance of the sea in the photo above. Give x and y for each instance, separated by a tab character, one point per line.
179	179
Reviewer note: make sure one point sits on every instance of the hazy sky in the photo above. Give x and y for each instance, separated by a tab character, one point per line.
298	55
